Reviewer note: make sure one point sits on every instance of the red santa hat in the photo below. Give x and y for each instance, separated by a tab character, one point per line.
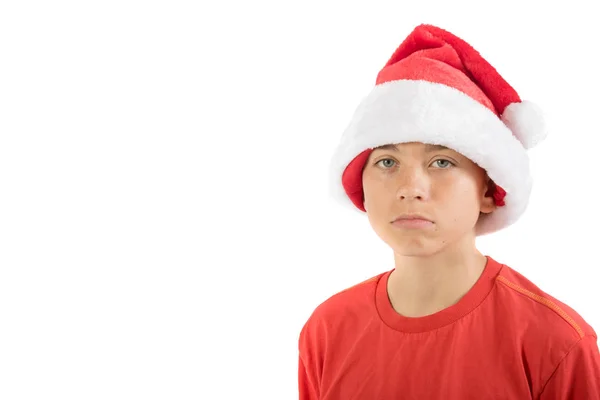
437	89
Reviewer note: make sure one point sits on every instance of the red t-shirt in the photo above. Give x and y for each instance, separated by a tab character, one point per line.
505	339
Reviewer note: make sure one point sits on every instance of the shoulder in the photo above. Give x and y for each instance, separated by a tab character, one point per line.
530	301
350	306
542	329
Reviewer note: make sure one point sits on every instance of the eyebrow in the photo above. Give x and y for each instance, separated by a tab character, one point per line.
428	147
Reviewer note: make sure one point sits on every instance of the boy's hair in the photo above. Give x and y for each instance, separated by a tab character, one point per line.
437	89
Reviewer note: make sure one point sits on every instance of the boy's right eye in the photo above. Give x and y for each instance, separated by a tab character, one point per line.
386	163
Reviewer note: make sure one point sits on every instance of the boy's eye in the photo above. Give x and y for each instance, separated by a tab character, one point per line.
386	162
389	163
443	163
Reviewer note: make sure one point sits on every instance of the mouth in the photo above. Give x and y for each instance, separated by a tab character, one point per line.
411	217
412	221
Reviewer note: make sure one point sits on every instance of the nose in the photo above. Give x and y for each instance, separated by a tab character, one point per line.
413	184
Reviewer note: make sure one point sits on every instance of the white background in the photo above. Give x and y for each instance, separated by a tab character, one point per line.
165	229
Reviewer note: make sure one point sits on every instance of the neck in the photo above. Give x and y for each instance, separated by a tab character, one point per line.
424	285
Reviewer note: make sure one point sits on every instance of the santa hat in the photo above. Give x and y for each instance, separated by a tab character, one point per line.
437	89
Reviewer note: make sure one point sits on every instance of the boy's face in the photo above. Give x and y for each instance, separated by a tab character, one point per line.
433	181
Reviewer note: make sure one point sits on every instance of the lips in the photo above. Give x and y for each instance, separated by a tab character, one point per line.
413	222
411	217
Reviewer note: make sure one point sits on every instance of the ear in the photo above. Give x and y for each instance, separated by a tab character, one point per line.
488	204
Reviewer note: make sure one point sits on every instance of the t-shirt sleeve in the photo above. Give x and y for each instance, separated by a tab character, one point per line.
578	374
306	383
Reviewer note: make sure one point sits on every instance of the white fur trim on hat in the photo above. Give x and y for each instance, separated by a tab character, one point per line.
526	121
419	111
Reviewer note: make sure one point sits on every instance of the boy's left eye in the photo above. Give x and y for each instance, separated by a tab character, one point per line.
443	163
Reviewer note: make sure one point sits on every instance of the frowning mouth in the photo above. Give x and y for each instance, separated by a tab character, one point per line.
412	221
410	217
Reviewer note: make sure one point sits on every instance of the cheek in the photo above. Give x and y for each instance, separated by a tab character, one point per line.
378	202
376	189
460	183
461	201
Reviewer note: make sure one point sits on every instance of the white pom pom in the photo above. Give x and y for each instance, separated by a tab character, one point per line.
526	121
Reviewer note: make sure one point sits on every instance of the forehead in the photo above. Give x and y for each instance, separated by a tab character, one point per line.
417	145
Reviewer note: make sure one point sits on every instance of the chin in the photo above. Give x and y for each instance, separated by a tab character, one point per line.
415	251
417	246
